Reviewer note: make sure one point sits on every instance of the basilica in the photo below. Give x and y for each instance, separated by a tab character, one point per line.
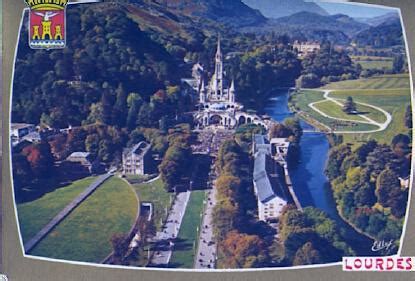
217	99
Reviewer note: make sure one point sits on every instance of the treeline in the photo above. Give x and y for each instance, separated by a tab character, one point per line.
369	185
105	50
261	70
239	237
176	167
325	66
309	237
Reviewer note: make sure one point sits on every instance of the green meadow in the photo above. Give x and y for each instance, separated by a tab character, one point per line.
85	234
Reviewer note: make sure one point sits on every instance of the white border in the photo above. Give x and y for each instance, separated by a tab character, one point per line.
208	270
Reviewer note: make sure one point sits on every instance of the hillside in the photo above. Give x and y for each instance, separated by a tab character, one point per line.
375	21
230	12
312	21
282	8
384	35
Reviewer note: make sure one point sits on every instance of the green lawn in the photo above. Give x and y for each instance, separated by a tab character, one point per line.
302	99
393	101
333	109
155	193
374	62
185	250
397	81
36	214
85	234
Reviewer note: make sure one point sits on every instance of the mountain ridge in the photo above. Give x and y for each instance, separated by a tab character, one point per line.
280	8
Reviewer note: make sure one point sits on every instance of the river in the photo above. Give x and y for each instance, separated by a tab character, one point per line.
309	180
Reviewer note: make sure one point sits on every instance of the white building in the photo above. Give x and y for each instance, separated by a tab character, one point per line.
217	99
19	130
268	188
136	160
279	149
306	48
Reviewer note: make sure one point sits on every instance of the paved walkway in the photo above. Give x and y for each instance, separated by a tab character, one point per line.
207	248
65	212
382	126
164	239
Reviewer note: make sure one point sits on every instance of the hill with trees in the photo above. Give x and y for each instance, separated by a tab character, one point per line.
282	8
367	185
385	35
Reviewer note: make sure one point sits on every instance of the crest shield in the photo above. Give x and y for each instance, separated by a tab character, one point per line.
47	24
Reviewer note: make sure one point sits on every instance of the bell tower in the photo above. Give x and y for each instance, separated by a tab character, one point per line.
219	71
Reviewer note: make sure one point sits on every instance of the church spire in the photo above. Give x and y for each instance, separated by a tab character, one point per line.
218	71
232	92
202	94
218	49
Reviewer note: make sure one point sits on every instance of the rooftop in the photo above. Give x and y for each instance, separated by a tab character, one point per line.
140	149
17	126
79	154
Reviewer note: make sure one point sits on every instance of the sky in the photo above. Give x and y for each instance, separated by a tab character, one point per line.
352	9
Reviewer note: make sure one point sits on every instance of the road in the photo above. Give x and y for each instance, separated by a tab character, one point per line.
65	212
207	248
164	239
381	126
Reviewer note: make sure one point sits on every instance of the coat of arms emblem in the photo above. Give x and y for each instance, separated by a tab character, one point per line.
47	24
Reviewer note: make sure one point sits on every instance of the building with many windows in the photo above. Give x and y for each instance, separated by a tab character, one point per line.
137	160
269	181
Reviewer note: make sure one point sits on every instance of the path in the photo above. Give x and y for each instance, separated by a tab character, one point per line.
382	126
65	212
206	250
164	238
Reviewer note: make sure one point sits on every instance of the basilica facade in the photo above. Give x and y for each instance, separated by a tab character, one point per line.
217	99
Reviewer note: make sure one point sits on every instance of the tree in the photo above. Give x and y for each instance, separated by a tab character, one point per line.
307	255
400	145
293	124
387	187
120	245
308	81
41	159
107	102
243	251
134	102
398	63
336	158
92	144
408	117
280	131
349	106
95	114
120	109
22	175
175	165
365	195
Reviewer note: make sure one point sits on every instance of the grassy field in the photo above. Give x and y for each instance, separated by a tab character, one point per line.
304	98
184	251
36	214
334	110
393	101
374	62
85	234
155	193
398	81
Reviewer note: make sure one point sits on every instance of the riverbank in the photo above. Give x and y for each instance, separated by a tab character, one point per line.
309	179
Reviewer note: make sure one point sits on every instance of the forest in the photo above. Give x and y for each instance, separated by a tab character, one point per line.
368	185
